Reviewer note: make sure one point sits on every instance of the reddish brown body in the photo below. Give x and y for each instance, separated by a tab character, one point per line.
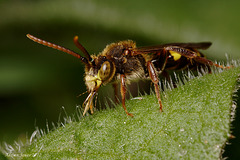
124	61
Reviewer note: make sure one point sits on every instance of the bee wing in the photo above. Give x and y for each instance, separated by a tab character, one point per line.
159	48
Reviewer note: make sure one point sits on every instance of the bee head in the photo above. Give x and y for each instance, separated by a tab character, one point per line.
100	72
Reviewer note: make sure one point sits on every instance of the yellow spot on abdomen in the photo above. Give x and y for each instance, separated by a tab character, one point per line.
176	56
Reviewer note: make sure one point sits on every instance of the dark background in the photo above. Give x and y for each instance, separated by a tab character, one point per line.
36	81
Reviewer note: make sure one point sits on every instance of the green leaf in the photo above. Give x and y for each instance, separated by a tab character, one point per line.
195	124
3	157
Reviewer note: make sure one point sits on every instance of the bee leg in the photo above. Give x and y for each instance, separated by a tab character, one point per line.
123	93
209	62
115	86
154	77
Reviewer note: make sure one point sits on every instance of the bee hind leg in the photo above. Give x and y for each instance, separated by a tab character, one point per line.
209	62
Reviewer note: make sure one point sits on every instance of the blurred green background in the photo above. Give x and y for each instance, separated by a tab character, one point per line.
36	81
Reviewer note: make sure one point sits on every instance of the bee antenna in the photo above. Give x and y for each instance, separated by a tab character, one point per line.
60	48
80	46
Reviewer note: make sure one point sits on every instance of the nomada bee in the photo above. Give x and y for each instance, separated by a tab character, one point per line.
123	61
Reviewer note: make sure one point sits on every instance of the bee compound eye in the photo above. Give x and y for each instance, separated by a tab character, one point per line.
104	67
105	70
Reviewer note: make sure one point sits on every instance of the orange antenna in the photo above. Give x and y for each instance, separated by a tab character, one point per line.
79	46
60	48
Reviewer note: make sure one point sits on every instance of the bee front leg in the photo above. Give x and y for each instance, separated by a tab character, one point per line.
154	77
123	93
115	87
